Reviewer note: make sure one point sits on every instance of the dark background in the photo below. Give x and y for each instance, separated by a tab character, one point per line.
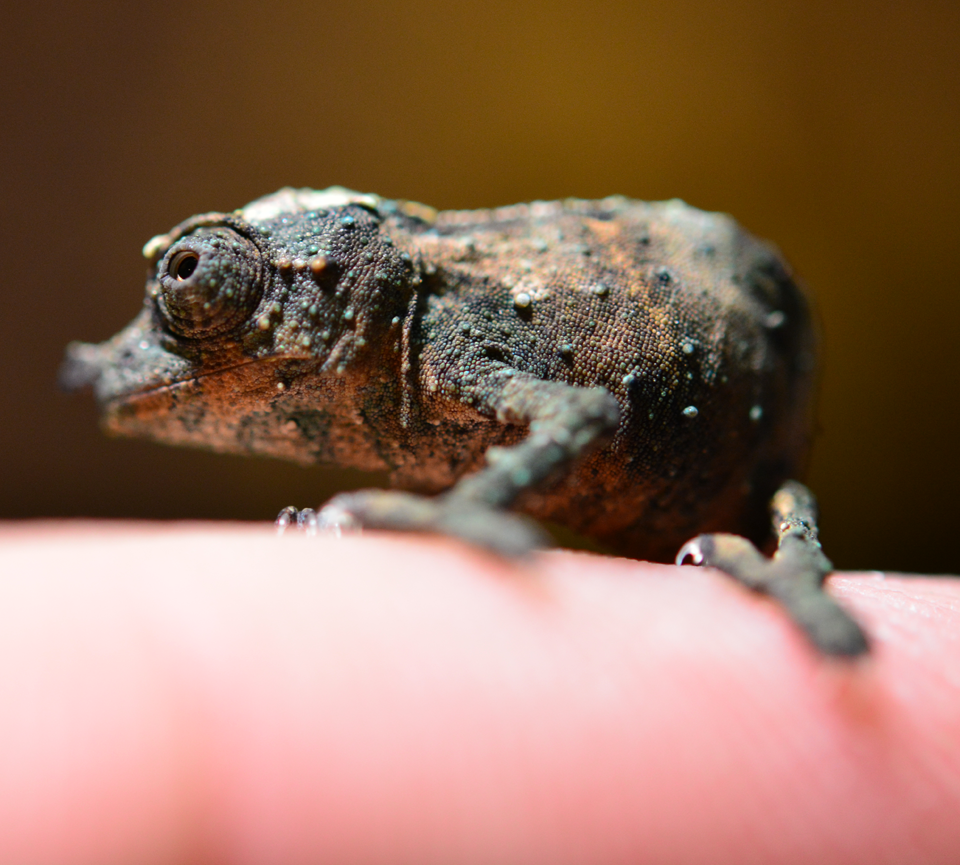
830	126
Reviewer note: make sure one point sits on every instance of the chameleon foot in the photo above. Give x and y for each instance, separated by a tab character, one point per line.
495	530
795	574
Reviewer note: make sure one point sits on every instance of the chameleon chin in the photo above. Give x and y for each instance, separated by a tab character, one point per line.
639	372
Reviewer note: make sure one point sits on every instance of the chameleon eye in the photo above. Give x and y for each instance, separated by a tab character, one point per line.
210	282
184	264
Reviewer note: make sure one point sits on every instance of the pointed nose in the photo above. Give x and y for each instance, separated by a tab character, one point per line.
82	366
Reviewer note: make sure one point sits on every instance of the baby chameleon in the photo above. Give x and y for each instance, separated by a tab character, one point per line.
637	372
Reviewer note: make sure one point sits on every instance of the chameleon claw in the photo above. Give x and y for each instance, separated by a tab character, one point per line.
690	551
333	518
286	518
306	520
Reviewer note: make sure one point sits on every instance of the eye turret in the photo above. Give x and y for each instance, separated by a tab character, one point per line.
209	282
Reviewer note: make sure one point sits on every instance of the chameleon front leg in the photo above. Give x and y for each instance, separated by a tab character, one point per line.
795	574
564	422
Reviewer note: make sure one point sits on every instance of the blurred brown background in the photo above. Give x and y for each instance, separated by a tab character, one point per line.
829	126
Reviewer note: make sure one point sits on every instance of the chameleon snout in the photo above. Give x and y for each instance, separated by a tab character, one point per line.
81	367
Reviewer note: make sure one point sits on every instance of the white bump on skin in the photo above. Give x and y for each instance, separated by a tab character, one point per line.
290	200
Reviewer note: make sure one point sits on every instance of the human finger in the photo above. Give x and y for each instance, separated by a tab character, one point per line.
217	694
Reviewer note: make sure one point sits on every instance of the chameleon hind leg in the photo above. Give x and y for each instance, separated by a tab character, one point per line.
794	575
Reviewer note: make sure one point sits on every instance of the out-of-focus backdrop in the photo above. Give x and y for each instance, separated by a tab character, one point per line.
829	126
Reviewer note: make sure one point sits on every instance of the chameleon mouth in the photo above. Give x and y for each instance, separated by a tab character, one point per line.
188	407
213	400
243	407
133	371
172	385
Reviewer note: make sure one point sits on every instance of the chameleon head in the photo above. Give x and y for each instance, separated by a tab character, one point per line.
243	313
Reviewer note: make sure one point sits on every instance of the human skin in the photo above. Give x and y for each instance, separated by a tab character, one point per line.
211	693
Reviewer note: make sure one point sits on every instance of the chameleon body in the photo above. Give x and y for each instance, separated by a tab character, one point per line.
637	372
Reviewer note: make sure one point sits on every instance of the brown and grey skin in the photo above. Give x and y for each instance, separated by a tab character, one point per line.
636	372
